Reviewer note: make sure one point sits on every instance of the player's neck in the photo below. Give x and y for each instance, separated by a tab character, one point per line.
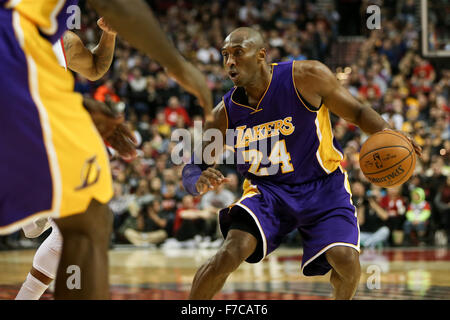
255	90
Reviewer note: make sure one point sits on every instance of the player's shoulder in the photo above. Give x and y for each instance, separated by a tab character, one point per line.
228	94
310	68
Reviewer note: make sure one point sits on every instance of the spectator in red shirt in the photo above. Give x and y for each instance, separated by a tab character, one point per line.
106	92
424	69
395	206
191	221
370	90
423	76
175	110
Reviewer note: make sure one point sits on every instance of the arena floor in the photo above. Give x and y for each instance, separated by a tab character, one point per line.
410	273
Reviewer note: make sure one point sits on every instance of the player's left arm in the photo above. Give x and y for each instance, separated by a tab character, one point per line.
319	83
90	64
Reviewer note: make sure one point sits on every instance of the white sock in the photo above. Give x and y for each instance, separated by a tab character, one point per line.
32	289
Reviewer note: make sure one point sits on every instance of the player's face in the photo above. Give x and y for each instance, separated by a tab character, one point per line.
239	61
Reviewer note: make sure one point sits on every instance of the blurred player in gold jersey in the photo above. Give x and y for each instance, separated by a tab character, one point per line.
54	162
71	53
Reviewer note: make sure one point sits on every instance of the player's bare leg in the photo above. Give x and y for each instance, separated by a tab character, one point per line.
346	271
211	276
85	245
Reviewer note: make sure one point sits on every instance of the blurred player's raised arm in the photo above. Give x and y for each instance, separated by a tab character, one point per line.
134	21
90	64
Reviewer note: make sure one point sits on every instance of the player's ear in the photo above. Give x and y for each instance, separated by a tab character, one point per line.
262	53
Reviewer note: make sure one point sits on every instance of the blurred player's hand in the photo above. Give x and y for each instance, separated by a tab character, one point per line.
123	141
210	179
105	118
102	24
110	124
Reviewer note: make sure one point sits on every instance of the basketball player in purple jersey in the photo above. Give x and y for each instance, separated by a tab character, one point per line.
48	139
309	191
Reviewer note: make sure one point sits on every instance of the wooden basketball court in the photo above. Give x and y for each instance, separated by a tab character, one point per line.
409	273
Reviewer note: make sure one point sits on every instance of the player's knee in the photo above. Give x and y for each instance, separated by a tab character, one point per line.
225	261
345	261
101	223
46	261
230	256
95	224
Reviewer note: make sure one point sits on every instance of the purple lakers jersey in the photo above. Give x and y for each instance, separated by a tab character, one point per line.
50	16
283	139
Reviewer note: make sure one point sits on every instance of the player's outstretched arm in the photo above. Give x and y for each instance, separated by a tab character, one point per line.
200	178
90	64
318	83
135	22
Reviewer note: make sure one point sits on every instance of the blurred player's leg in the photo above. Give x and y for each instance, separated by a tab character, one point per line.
45	266
346	271
85	246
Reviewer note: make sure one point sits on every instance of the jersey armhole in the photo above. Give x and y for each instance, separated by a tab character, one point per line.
305	103
227	146
226	113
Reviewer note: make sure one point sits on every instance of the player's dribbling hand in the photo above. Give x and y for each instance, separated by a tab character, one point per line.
417	148
102	24
209	180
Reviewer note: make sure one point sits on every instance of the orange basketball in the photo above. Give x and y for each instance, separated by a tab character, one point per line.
387	159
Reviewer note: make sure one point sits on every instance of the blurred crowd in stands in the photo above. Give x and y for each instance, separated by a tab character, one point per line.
150	206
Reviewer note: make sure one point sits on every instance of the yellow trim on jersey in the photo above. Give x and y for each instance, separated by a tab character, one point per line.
327	155
260	100
50	30
348	188
261	231
41	13
343	244
226	112
251	190
242	105
296	91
